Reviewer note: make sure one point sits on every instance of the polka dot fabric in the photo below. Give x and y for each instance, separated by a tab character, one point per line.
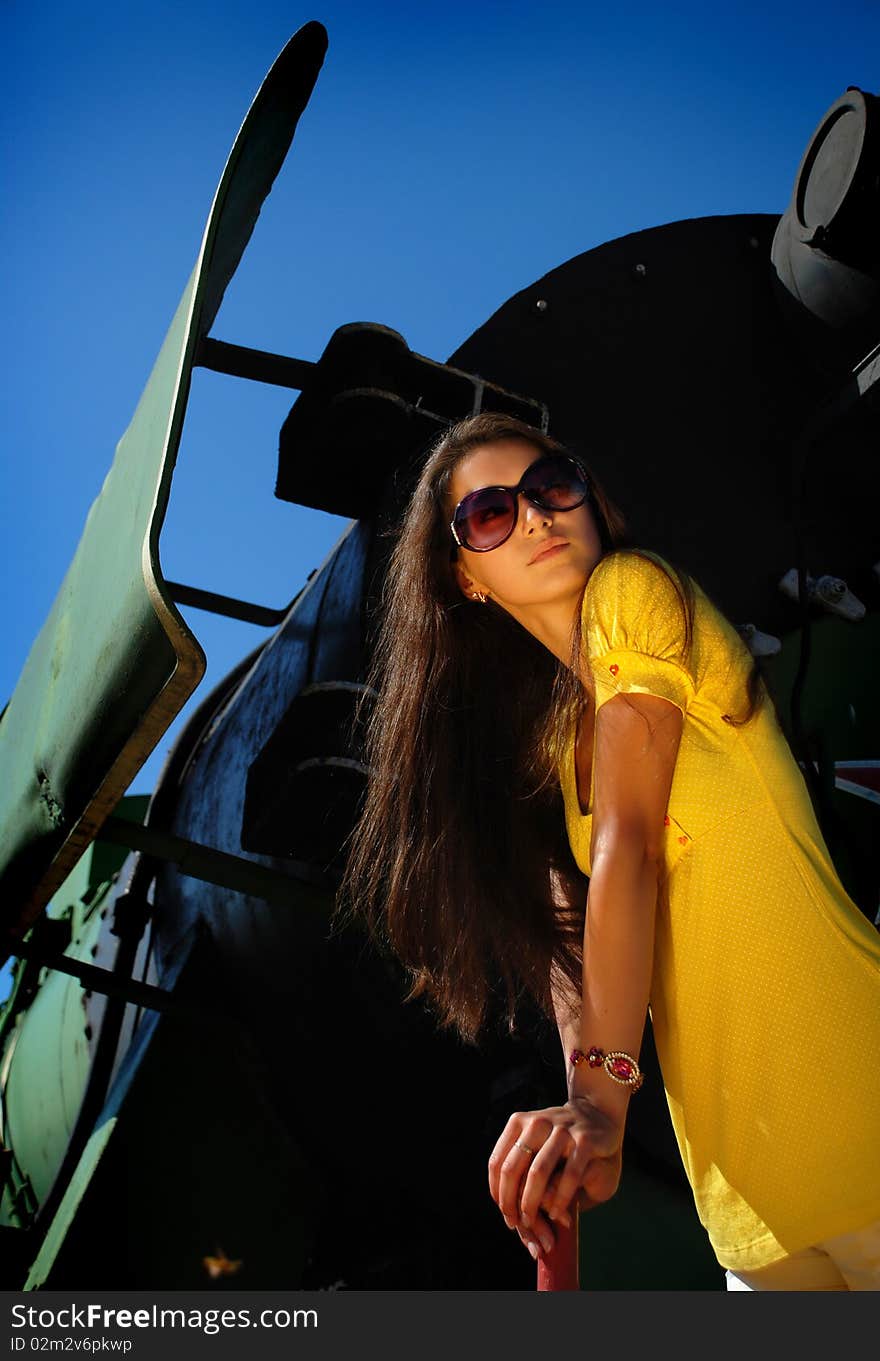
765	999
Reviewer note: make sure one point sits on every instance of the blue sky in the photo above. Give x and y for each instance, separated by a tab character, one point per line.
449	156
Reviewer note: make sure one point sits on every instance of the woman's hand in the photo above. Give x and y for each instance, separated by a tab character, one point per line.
551	1162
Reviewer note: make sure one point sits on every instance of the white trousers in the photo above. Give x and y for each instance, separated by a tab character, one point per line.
850	1262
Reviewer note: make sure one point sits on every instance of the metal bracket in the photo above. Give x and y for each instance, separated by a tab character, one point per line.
95	979
230	607
219	867
23	1201
258	365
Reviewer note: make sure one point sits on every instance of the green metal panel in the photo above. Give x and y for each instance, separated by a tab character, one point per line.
79	1184
45	1058
75	898
115	661
46	1076
188	1156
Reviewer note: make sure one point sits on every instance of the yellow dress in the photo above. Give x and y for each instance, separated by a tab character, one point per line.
765	998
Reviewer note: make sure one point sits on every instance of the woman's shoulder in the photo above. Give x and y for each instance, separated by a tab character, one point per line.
632	578
637	628
637	601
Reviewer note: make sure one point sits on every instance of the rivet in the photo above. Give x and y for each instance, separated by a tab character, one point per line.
541	305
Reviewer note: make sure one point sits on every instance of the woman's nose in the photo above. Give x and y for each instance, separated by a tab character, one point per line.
532	515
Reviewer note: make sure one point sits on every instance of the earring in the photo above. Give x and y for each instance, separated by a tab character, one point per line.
478	595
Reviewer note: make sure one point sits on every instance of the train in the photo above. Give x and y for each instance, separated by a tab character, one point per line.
205	1082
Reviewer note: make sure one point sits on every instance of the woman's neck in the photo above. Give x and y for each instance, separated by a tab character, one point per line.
552	624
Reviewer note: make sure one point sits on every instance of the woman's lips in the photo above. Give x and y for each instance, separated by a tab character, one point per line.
549	550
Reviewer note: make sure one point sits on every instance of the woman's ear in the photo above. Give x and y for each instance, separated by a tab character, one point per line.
469	588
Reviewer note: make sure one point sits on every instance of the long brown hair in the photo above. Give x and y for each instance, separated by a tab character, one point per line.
460	851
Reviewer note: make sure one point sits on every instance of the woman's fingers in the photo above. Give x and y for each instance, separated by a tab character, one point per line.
565	1217
544	1166
560	1197
539	1240
549	1163
497	1156
517	1171
510	1164
510	1161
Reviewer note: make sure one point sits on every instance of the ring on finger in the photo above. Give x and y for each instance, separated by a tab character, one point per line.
525	1148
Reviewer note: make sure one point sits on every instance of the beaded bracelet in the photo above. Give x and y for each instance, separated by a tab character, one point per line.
620	1067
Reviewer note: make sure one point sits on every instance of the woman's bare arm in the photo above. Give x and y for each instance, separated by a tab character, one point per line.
637	738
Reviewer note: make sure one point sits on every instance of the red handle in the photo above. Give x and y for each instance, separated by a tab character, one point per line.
558	1270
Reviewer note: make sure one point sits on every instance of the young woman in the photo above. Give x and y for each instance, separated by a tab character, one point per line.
525	651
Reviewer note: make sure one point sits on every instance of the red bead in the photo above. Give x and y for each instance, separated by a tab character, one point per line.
614	669
595	1057
666	820
683	840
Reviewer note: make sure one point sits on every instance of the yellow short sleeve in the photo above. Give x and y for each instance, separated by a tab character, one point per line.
634	631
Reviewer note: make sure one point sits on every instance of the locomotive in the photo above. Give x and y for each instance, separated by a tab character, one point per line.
203	1081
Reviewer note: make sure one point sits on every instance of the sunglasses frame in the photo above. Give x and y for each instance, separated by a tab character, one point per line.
518	491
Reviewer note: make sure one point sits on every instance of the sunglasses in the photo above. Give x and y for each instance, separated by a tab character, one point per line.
486	518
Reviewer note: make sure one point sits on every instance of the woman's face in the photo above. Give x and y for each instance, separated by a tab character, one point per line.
550	554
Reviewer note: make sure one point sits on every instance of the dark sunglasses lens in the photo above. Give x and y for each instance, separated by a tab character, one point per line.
485	518
555	483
